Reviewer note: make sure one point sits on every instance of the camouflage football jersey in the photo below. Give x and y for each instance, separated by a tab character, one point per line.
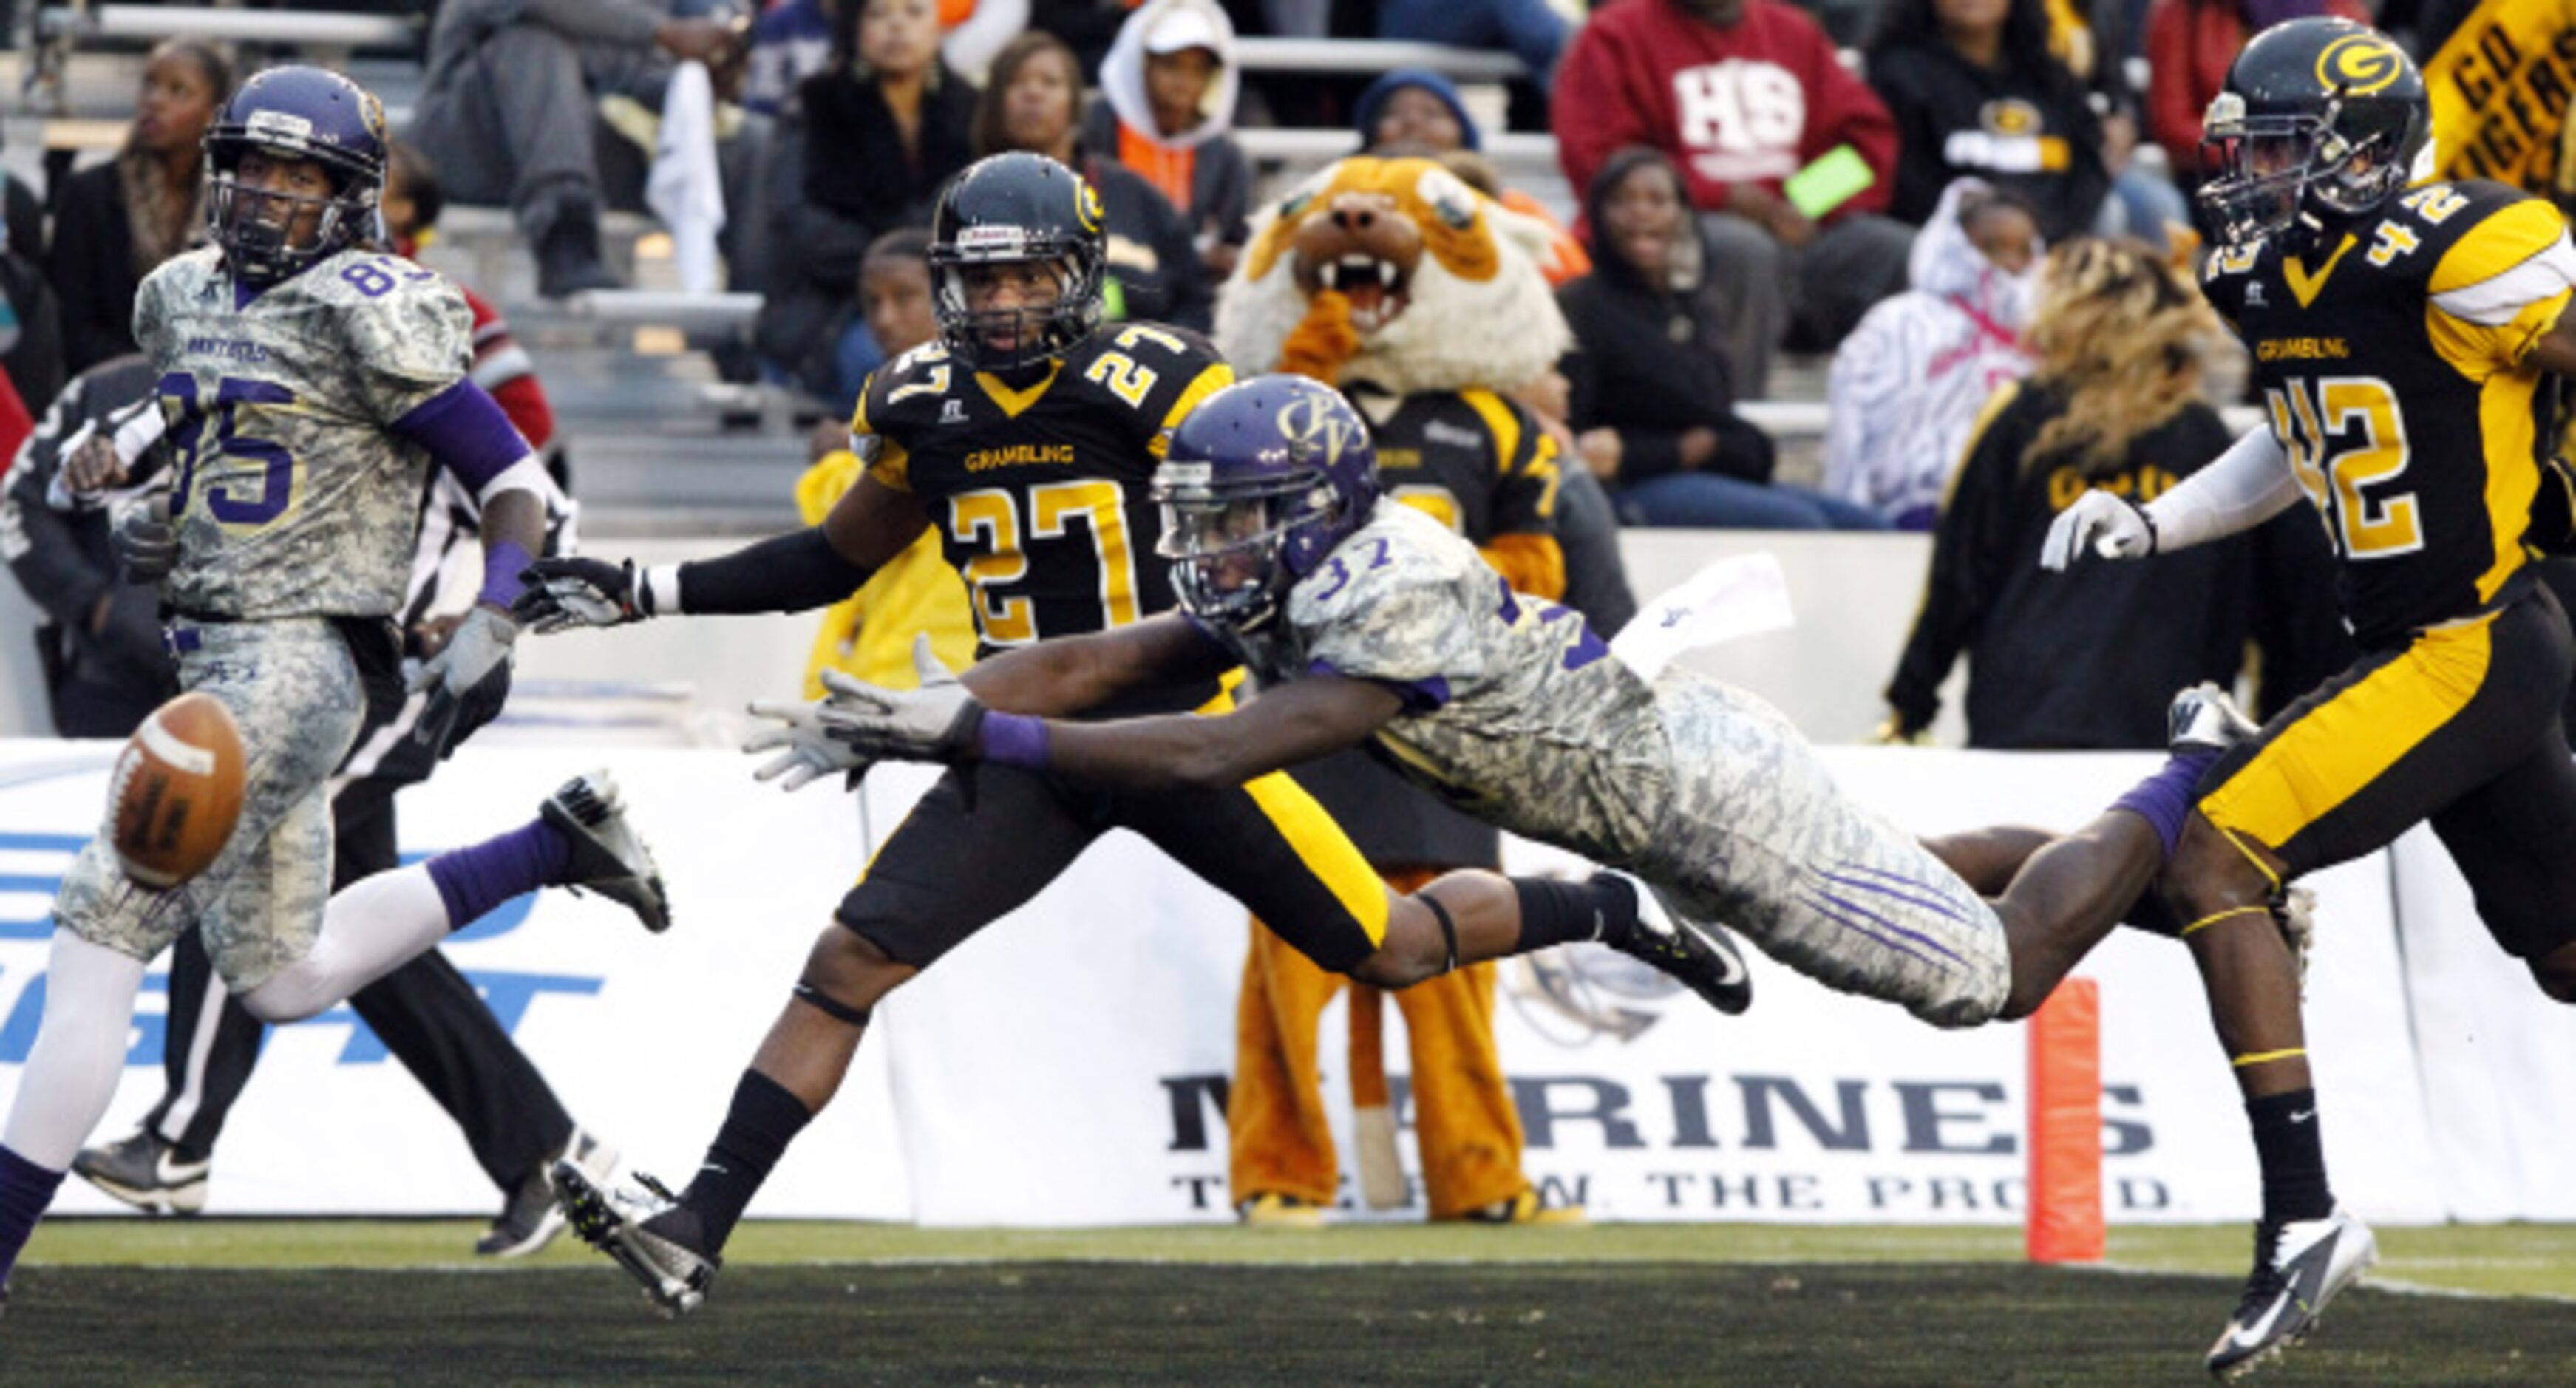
2393	367
1482	467
1517	713
293	496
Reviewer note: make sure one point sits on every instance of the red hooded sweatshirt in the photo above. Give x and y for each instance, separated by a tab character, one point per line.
1750	104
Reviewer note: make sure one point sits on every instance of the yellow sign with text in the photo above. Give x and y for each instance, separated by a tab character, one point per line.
2500	89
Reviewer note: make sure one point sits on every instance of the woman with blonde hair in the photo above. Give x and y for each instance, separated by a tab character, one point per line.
2089	658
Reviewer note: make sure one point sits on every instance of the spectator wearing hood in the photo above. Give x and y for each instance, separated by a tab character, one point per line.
1033	104
1975	91
1653	400
1168	91
1909	383
1415	111
863	149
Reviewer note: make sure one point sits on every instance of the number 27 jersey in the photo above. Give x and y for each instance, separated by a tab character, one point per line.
1041	493
2392	360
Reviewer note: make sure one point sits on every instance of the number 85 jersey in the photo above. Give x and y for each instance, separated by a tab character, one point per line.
2393	363
295	493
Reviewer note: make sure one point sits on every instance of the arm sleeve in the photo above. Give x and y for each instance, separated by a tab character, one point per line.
1858	119
465	431
1970	551
2248	484
1595	113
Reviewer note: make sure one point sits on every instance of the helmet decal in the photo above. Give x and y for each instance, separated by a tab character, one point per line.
1092	216
1312	419
1261	481
2360	65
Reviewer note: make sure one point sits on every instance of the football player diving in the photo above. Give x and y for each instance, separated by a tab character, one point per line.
1028	434
2403	332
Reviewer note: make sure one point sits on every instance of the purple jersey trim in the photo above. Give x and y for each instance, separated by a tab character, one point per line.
465	430
1419	696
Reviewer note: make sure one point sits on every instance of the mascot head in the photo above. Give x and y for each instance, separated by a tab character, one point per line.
1396	272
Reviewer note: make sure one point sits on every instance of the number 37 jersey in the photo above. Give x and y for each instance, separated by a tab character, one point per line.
1040	493
2393	364
294	495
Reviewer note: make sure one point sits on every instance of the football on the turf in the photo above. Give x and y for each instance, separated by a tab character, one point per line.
177	791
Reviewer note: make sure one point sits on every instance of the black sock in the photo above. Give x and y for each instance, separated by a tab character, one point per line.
2292	1156
1556	912
763	1120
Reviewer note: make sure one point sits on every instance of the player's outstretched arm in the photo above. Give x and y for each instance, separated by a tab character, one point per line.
2247	485
943	722
795	572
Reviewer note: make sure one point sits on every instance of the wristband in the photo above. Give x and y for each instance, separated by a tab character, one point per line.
503	562
1014	739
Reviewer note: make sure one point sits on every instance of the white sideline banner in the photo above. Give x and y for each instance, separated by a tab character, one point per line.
1066	1066
1638	1100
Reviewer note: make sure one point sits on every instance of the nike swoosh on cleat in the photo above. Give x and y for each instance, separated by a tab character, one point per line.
2247	1337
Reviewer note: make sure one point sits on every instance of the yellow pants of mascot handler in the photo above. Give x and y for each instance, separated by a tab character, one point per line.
1282	1139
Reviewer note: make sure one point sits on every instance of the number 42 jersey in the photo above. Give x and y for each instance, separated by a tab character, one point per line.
1041	492
294	494
2393	364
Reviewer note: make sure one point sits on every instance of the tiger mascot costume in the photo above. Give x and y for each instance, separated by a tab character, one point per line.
1421	300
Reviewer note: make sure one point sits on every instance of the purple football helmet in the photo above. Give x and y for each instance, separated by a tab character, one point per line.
294	113
1261	481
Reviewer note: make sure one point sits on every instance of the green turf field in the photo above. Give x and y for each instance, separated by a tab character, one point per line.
215	1301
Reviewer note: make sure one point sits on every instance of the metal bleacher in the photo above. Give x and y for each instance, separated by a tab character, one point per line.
658	441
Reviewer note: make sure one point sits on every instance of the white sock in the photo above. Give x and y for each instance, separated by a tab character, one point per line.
371	928
79	1055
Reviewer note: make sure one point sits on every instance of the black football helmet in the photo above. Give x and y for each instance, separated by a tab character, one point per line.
1016	207
294	113
2320	121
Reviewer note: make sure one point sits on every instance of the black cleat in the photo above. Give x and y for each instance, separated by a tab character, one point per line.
647	1232
2298	1268
145	1171
607	857
1702	955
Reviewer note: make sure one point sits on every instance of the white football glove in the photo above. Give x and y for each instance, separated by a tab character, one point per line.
2111	526
812	752
937	722
479	648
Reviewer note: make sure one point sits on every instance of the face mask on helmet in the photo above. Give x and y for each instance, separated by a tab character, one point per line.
256	226
2289	175
1228	544
996	314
